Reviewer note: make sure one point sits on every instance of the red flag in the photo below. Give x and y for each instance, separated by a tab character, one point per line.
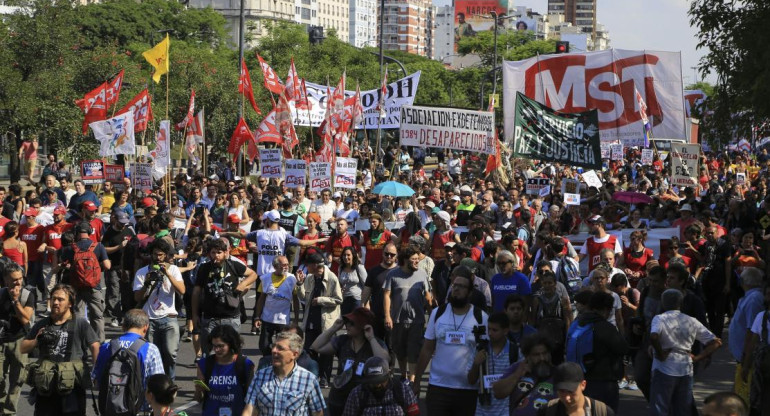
189	117
302	103
267	132
285	124
338	97
245	87
240	136
357	110
141	104
112	92
493	161
325	154
383	94
292	88
94	106
272	82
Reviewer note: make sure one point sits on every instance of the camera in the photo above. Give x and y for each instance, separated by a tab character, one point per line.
4	327
155	274
47	339
482	344
479	333
198	211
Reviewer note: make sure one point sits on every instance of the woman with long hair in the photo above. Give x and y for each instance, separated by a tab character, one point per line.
13	248
374	239
122	204
352	276
160	394
412	226
236	208
218	211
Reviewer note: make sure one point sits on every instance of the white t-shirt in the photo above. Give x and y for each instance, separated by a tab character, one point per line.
455	348
270	243
161	301
277	309
325	211
756	327
677	332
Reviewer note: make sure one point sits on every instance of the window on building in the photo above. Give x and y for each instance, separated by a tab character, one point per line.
305	13
314	14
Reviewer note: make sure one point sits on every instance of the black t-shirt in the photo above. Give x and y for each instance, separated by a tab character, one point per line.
112	238
216	281
8	313
375	281
64	349
714	260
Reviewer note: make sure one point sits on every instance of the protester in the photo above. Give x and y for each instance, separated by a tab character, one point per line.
749	306
17	308
570	385
380	392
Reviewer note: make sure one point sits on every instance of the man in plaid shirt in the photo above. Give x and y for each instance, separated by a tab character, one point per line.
285	389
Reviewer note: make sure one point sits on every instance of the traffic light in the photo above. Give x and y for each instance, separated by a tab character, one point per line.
316	34
562	46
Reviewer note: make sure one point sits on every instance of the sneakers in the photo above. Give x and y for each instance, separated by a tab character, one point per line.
622	384
115	323
323	383
187	337
632	386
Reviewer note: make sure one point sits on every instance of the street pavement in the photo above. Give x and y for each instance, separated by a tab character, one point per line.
717	377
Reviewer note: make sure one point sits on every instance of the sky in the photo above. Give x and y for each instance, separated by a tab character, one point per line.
661	25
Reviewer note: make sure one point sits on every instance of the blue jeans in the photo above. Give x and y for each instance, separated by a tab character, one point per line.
670	395
164	333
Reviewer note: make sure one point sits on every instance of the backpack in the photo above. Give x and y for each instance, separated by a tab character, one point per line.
86	271
121	385
580	345
240	374
23	298
568	273
530	240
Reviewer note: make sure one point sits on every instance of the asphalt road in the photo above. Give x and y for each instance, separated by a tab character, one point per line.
718	377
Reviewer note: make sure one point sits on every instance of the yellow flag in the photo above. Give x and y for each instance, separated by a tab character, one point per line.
158	58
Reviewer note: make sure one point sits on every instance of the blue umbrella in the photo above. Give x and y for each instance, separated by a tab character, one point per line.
393	188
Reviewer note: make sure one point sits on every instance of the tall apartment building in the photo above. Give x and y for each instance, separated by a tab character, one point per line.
409	26
257	13
335	14
306	12
363	23
443	34
581	13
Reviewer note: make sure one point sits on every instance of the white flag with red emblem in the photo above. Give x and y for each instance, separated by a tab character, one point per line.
189	116
272	82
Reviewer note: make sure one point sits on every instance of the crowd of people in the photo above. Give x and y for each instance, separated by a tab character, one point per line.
500	299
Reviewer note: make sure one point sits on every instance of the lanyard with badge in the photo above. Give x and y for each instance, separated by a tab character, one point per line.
456	337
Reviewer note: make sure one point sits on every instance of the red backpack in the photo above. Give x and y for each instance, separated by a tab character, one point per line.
86	271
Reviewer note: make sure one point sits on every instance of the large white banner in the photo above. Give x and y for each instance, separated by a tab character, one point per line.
400	92
448	128
603	80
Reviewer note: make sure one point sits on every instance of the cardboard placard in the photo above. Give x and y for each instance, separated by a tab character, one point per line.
92	172
271	163
114	173
534	185
296	173
320	176
345	172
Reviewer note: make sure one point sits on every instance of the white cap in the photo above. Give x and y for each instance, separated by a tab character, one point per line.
686	207
338	194
273	216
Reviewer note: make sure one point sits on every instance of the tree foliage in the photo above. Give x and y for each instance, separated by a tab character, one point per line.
735	35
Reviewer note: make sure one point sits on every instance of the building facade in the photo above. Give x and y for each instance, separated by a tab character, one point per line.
335	14
409	26
306	12
258	13
363	23
580	13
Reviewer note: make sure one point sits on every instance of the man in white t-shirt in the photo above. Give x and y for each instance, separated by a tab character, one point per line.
155	286
450	342
325	207
275	302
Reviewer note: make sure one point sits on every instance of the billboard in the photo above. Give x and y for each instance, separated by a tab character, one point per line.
473	16
605	81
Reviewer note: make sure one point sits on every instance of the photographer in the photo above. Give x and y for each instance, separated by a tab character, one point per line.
154	287
17	307
60	377
495	356
451	340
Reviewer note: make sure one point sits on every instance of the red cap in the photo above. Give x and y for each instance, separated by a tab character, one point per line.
60	210
148	202
89	205
233	218
31	212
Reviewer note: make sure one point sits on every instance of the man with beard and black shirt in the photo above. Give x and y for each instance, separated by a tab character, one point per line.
373	293
119	290
713	276
17	306
451	343
529	383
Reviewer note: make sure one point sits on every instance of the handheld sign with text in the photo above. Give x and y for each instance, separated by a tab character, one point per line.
740	178
141	176
113	173
592	179
616	150
345	172
92	172
605	150
320	176
572	199
448	128
684	164
570	186
534	185
544	134
296	173
646	157
271	163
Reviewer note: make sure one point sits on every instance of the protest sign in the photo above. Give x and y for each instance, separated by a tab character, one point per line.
542	133
616	151
534	185
544	192
296	173
592	179
320	176
570	186
740	178
448	128
113	173
270	161
92	171
647	157
345	172
605	150
684	164
141	176
572	199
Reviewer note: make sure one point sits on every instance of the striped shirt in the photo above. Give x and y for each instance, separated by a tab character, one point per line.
298	394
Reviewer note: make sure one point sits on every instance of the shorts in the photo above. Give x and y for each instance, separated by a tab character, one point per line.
29	165
406	340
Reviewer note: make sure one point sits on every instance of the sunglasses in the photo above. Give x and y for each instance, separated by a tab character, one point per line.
389	254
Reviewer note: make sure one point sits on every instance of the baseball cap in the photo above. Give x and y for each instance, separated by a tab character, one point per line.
596	218
148	202
31	212
338	194
568	376
60	210
139	212
455	198
122	217
83	227
435	210
466	190
89	205
376	371
686	207
430	204
272	215
233	218
360	317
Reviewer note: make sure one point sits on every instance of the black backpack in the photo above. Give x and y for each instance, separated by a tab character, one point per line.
240	373
121	387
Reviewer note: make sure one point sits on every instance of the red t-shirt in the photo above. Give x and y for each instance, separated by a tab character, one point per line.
437	250
594	249
52	237
33	237
374	248
335	245
3	221
636	264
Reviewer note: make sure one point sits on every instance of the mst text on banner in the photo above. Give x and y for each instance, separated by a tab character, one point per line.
448	128
605	80
542	133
